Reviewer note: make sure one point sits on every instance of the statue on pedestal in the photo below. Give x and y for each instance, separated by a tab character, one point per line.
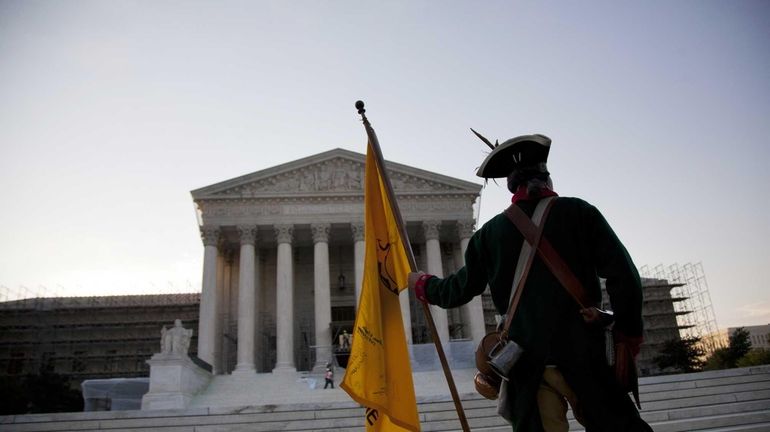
344	341
175	377
176	340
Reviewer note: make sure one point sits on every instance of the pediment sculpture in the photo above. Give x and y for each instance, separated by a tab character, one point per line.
335	175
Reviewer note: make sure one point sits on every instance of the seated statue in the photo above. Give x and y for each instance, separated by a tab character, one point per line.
176	340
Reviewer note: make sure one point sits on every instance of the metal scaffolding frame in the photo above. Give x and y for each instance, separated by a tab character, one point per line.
695	312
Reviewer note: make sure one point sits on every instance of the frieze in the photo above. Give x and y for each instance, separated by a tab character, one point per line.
229	209
236	212
409	206
305	209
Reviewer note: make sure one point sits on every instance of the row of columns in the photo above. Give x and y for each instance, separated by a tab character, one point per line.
209	326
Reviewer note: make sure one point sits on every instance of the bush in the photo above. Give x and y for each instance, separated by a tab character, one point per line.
738	354
755	357
719	359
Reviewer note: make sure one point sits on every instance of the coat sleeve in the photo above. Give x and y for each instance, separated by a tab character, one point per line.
460	287
622	279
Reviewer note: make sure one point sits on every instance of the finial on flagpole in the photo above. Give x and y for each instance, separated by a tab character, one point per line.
361	111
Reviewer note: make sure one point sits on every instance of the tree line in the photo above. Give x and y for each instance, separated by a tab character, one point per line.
687	354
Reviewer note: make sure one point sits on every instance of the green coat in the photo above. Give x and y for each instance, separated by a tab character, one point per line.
547	323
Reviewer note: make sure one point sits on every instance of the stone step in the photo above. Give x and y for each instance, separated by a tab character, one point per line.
734	397
700	382
737	399
712	422
654	416
752	370
727	396
758	427
722	416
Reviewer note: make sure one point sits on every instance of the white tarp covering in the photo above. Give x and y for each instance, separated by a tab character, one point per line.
115	394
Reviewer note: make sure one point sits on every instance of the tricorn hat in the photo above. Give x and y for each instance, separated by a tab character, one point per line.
522	151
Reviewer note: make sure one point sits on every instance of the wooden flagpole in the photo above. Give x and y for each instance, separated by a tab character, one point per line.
412	262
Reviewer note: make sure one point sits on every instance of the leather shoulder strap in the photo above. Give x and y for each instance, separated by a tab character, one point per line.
526	257
548	254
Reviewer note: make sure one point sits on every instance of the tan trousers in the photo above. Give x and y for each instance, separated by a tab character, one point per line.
552	398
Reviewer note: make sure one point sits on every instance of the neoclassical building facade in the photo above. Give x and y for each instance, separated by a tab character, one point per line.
283	259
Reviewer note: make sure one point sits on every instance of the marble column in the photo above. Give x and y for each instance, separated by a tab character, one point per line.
322	295
246	300
227	291
406	314
473	311
359	250
208	305
259	347
433	252
284	300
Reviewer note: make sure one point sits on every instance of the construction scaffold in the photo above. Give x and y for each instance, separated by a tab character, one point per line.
85	337
695	312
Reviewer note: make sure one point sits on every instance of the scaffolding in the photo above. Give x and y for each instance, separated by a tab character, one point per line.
694	310
85	337
23	296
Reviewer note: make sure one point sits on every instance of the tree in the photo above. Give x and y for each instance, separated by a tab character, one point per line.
681	354
726	358
740	345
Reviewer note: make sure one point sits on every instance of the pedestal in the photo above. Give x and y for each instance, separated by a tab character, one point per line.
174	382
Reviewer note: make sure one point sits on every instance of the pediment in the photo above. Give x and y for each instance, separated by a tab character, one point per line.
336	172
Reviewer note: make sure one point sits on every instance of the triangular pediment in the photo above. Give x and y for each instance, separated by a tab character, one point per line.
335	172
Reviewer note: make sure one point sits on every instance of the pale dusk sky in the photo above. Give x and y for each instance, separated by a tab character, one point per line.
112	111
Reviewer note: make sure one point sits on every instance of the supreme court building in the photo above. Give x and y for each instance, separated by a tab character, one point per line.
284	252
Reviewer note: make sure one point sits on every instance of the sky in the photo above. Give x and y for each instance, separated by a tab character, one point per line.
112	112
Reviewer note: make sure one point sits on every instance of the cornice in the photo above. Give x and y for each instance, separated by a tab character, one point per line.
348	198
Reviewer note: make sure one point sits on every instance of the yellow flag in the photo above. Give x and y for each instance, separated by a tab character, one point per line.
378	374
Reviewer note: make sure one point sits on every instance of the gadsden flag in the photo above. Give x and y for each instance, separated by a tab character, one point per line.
378	374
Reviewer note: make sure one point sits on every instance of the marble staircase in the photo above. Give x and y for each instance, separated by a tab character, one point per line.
729	400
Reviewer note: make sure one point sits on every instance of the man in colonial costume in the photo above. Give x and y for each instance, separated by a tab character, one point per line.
564	354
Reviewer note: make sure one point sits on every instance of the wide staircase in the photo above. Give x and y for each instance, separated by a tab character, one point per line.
729	400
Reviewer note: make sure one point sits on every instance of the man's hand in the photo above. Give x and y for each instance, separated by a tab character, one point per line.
417	283
413	278
590	314
597	317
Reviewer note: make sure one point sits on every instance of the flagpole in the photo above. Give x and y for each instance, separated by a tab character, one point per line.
412	262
